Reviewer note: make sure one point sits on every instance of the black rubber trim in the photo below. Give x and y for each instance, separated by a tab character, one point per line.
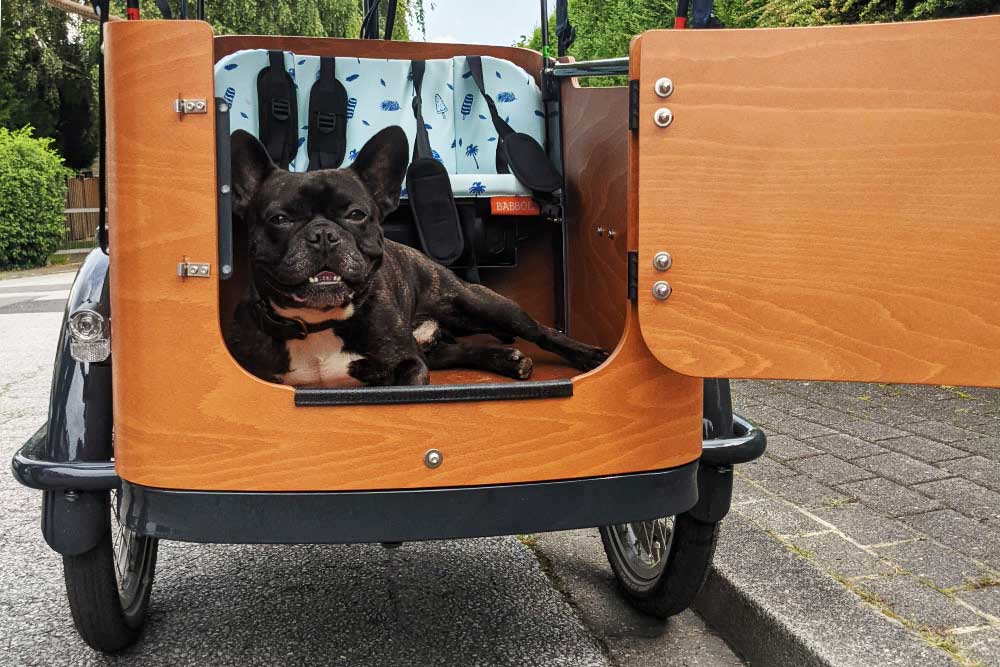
224	177
633	105
30	468
633	276
406	515
748	443
448	393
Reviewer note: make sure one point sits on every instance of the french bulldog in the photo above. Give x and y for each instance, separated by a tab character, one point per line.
332	302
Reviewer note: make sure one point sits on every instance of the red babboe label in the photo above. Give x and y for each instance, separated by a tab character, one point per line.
514	206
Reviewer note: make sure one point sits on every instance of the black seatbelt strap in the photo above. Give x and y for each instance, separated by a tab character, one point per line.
565	32
327	118
428	187
390	18
277	110
518	153
502	127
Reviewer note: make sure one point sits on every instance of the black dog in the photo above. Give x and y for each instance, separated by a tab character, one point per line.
331	300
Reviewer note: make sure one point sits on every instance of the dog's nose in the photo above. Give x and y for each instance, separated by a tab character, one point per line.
322	234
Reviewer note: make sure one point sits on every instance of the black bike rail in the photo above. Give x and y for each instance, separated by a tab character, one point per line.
747	444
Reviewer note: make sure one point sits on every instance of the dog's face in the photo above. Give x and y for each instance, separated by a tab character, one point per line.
316	238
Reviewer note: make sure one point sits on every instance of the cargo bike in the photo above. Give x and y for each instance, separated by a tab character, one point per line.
815	204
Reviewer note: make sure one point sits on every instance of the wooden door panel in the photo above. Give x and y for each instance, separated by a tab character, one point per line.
830	198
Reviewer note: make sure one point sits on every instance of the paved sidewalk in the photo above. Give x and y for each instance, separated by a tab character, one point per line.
892	490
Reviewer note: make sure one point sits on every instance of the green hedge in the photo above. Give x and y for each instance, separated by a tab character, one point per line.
32	198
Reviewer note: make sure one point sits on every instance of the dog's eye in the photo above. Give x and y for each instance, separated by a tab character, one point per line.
357	215
279	219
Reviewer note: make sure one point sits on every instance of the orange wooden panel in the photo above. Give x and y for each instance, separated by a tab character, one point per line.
830	200
188	417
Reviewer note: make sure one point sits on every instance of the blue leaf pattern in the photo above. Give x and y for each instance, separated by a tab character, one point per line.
539	113
365	122
450	87
467	74
231	66
506	97
302	61
390	105
482	117
382	81
352	77
498	75
301	141
436	155
244	115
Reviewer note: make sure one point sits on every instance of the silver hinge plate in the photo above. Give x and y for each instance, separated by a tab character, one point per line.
183	106
194	270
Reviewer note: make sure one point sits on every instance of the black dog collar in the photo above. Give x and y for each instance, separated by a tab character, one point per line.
285	328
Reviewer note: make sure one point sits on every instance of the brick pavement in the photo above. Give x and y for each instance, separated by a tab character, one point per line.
892	490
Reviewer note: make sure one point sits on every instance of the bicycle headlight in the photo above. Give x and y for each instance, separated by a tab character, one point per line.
90	336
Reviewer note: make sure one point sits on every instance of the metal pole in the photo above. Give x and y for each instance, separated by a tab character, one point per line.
606	67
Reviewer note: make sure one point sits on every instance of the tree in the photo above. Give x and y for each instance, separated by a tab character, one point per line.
44	80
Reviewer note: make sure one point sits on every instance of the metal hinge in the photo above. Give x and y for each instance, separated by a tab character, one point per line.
194	269
633	104
633	275
183	106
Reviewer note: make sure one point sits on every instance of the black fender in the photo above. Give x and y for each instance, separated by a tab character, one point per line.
80	422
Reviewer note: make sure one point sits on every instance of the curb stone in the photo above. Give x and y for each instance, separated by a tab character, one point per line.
778	610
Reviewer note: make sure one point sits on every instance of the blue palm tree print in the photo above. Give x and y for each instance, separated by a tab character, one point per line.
353	155
477	189
472	151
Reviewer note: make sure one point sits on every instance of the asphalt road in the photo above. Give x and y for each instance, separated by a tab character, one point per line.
471	602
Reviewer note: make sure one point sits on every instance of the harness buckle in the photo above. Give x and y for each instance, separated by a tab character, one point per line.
326	121
281	108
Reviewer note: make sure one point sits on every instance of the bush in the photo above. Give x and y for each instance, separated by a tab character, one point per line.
32	198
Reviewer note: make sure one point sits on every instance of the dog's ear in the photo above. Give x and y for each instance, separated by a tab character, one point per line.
251	166
381	164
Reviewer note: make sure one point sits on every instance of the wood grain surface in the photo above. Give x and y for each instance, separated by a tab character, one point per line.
188	417
830	198
595	162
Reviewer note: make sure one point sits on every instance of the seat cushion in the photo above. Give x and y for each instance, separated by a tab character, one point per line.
380	94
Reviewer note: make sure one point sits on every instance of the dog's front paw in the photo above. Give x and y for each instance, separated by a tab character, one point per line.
587	358
510	362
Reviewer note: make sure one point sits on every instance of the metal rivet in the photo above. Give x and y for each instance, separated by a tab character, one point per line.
664	87
199	105
224	189
600	231
224	108
662	261
226	269
663	117
661	290
433	458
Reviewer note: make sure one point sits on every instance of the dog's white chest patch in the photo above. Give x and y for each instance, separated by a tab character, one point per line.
319	360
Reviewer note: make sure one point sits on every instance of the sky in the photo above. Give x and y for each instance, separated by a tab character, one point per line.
479	21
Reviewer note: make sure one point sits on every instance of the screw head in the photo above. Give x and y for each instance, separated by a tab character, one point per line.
223	107
600	231
661	290
663	117
662	261
612	233
433	458
664	87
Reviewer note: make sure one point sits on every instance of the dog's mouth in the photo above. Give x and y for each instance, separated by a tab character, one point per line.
325	278
322	290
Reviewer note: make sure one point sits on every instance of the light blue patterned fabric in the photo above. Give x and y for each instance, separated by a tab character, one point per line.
380	93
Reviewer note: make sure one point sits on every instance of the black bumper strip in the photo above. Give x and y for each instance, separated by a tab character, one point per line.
30	469
406	515
748	444
448	393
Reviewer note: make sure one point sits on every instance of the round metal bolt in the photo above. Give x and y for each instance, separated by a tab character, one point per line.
600	231
226	269
612	233
224	189
662	261
223	107
664	87
661	290
663	117
433	458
